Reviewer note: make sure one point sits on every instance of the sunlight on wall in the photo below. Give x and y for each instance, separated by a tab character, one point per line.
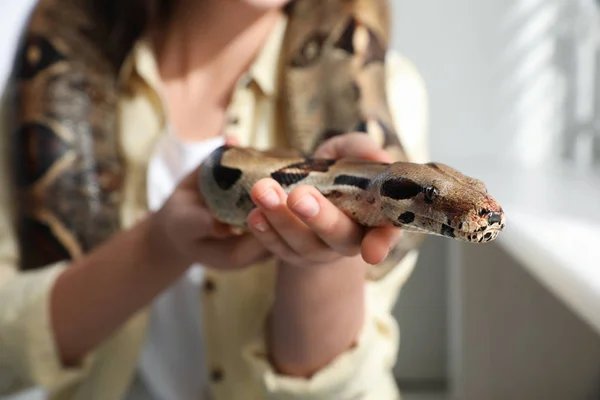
548	66
582	43
533	84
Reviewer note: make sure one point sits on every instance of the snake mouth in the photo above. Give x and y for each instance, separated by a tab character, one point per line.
463	231
493	224
481	236
481	229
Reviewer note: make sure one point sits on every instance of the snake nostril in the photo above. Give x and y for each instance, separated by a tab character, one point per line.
494	218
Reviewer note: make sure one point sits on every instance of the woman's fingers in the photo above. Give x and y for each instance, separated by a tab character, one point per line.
279	229
305	227
378	242
307	222
233	253
354	145
271	239
326	220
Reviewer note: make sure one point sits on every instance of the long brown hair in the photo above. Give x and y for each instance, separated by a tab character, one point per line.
122	22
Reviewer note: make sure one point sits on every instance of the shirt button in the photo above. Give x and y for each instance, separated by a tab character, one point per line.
209	285
260	353
217	375
244	81
233	120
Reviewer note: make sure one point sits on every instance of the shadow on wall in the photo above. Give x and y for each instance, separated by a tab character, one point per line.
421	315
508	80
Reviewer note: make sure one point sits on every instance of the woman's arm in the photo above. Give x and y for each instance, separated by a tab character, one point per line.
319	295
317	314
319	311
98	293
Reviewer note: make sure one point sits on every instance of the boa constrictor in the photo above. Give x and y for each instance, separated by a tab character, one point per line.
427	198
69	171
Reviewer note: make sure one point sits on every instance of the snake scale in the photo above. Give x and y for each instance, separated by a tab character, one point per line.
69	172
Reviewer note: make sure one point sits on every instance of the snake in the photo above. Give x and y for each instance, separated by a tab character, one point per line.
68	169
430	198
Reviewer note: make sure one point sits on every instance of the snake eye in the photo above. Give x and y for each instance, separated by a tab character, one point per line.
430	193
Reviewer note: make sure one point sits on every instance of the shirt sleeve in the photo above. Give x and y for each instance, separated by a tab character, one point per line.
365	371
28	354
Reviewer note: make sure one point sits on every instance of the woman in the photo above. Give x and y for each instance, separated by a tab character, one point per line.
176	305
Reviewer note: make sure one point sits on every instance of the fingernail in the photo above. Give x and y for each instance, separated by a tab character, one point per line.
307	206
269	199
237	231
260	226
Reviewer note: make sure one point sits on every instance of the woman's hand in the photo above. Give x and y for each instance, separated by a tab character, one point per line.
102	290
317	312
305	229
185	229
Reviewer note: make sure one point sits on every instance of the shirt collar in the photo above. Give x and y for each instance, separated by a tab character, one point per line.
264	68
263	71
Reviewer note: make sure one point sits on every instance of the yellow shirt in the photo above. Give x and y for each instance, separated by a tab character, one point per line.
235	303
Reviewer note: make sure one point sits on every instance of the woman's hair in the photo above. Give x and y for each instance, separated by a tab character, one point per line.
120	23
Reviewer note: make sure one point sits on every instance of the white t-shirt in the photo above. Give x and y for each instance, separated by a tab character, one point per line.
172	359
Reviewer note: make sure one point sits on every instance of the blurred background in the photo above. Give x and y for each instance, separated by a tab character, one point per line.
514	100
514	92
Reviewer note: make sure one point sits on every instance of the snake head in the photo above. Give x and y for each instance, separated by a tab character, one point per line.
437	199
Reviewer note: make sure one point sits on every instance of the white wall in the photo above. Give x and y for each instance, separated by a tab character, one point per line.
494	93
452	44
12	17
489	68
478	60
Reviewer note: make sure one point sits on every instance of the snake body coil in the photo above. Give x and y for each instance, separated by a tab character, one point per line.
68	168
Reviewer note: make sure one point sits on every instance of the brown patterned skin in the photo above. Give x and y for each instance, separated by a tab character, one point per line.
429	198
334	73
66	161
334	82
